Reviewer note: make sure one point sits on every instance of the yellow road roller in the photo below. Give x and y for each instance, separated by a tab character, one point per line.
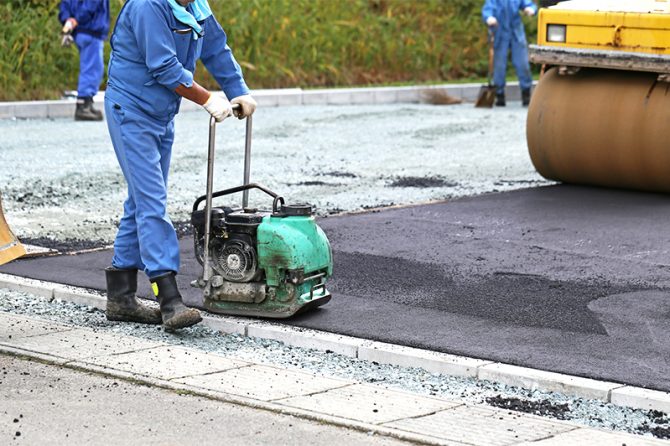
10	247
600	114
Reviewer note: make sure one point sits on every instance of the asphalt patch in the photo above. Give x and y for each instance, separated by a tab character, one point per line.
560	411
523	300
65	246
339	174
313	183
421	182
660	432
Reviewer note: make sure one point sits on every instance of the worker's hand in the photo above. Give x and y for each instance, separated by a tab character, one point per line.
247	106
66	33
69	25
491	21
529	11
218	106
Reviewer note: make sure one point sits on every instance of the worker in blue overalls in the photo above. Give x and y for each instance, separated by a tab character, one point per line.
86	24
503	18
155	46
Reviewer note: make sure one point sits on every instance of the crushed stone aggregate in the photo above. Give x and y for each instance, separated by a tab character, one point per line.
592	413
338	158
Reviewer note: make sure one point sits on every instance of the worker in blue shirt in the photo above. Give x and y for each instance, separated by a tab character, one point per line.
86	24
503	18
155	46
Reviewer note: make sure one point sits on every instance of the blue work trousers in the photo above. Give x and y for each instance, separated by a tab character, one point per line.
91	66
519	60
146	239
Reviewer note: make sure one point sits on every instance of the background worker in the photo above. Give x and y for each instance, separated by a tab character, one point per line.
86	23
155	46
503	18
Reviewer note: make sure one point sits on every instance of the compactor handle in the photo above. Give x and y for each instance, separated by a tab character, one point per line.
247	151
210	182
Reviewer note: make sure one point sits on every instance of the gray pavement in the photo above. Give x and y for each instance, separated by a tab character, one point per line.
560	278
46	404
49	403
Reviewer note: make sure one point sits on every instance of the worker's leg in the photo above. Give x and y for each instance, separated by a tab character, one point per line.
501	49
138	143
126	243
521	65
121	277
91	69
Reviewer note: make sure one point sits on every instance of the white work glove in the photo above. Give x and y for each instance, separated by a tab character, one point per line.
529	11
491	21
218	107
69	25
66	33
247	106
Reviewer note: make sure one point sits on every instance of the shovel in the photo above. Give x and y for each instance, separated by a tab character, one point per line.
487	93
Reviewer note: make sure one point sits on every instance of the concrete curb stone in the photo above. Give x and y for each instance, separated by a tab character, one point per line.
549	381
639	398
279	98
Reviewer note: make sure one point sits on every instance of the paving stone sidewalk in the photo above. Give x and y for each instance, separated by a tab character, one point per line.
363	407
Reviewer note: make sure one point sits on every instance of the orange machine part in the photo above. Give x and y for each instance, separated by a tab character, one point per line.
601	127
10	247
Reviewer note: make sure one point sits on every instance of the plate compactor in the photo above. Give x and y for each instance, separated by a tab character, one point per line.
261	263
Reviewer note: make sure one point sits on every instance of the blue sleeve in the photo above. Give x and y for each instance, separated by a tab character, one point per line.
155	43
64	11
82	11
528	4
220	62
488	10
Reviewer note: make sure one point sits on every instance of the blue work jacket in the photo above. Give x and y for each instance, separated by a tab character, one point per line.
510	26
153	53
92	16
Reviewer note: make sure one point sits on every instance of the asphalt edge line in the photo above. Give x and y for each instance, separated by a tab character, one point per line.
391	354
268	406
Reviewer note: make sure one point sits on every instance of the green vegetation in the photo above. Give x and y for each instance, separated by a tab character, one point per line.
279	43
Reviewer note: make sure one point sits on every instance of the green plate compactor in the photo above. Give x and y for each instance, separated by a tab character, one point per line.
258	263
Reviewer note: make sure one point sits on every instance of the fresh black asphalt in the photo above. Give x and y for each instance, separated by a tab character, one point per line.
562	278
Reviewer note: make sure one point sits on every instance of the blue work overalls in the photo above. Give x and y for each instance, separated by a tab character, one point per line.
152	54
509	35
92	27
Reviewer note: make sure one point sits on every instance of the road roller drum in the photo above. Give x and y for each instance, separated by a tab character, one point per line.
602	127
600	114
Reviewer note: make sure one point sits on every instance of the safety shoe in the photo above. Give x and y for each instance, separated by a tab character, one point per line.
525	97
175	314
122	305
85	111
500	100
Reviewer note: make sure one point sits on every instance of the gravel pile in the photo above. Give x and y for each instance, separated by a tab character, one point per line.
552	405
60	179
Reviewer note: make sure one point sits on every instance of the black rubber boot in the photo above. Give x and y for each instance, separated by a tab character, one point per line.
525	97
500	100
175	314
85	111
122	305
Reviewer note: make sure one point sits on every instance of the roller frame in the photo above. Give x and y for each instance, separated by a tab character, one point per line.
615	60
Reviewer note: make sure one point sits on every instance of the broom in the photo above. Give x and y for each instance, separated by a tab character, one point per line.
487	94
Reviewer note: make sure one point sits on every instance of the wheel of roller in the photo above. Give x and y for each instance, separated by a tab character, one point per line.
601	127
